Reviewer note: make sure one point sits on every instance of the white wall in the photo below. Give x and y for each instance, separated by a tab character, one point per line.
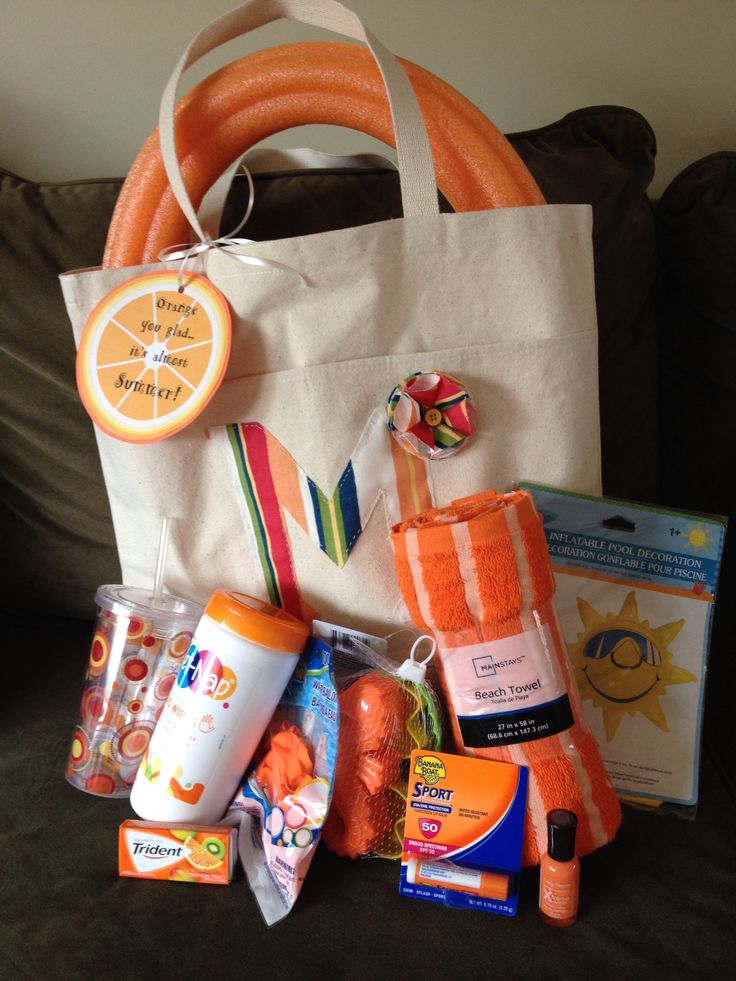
80	79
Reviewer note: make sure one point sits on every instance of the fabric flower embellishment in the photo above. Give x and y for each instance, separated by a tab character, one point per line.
430	414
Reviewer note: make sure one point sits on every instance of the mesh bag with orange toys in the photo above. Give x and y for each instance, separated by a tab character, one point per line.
386	711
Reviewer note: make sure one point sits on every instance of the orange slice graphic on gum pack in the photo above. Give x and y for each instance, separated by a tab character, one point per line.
151	356
201	858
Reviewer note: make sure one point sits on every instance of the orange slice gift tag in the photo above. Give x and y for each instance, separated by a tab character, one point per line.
152	354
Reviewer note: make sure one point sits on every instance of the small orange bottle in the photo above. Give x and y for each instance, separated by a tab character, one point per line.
559	871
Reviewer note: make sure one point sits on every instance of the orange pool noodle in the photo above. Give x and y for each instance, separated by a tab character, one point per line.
292	85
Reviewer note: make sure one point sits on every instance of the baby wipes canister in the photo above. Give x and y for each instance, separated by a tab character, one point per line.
241	658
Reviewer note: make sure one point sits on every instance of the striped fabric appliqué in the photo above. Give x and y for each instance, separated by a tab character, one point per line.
270	482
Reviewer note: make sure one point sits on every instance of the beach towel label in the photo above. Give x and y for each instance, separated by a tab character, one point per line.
507	691
152	354
635	594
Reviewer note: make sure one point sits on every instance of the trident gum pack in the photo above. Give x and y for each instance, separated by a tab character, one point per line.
177	852
463	832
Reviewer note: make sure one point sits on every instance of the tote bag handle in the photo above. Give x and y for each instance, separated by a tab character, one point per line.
416	169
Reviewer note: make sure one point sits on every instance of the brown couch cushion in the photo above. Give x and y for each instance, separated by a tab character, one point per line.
54	517
696	223
55	522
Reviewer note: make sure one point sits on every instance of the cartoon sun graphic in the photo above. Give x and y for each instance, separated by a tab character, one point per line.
623	665
698	537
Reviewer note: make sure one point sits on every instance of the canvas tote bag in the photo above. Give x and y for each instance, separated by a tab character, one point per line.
285	486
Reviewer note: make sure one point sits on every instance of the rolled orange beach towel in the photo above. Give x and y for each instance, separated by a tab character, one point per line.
477	575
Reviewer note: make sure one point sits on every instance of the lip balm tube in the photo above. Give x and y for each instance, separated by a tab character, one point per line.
446	875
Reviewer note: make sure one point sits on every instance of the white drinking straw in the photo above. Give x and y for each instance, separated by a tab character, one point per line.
163	547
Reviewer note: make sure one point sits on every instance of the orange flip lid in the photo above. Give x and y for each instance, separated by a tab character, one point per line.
257	621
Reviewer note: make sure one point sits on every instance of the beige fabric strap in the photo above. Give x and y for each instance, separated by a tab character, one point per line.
416	170
265	160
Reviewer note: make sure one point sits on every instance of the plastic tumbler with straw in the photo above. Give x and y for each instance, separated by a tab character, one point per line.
140	639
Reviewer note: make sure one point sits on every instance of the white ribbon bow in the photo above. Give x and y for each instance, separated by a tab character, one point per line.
186	251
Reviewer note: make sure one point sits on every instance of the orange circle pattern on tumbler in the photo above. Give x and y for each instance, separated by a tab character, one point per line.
99	653
132	665
151	357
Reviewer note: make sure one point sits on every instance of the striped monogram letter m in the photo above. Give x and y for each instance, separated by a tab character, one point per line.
270	482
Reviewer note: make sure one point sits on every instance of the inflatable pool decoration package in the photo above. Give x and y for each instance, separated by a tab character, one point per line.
636	588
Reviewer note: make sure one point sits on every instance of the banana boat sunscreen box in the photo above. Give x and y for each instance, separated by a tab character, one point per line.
177	852
464	831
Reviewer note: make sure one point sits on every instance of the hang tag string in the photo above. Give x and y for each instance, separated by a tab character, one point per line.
185	252
251	200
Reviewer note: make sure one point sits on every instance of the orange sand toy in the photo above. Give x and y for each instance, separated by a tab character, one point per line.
477	575
367	807
295	84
